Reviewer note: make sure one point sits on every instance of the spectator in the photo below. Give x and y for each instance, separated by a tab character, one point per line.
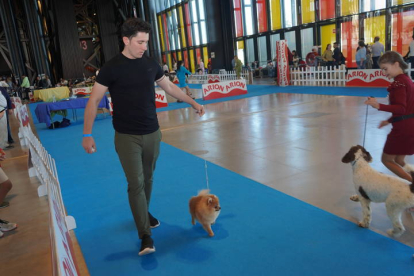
5	187
209	66
25	86
295	58
38	83
63	82
238	67
8	113
3	123
47	83
377	49
327	56
361	55
181	73
312	57
10	83
175	66
201	67
368	60
410	55
337	55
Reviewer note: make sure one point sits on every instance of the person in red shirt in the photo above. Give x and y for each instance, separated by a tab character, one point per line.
400	141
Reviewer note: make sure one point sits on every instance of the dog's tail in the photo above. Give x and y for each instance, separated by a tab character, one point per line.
412	182
204	192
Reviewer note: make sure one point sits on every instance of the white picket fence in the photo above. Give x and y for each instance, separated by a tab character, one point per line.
323	75
43	166
318	76
223	76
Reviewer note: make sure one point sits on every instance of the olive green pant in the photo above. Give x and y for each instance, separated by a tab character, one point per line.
138	155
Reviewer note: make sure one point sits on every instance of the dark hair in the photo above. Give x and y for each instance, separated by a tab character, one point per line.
179	63
132	26
327	46
376	39
361	43
392	57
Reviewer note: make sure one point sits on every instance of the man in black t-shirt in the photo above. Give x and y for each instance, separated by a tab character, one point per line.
130	78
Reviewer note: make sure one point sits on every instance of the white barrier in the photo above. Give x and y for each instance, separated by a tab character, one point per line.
222	76
318	76
324	75
43	166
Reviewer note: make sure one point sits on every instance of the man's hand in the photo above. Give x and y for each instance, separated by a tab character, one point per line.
199	109
88	143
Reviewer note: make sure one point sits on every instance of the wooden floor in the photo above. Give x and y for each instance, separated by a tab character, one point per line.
290	142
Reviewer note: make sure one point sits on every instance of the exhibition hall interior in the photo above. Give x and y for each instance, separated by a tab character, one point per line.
296	116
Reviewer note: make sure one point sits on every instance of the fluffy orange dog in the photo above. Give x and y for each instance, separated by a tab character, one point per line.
205	208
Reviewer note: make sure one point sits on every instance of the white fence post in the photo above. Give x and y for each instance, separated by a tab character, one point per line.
223	76
318	76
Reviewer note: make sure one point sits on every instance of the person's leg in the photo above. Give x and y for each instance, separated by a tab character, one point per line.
375	63
5	186
390	162
9	136
150	153
129	149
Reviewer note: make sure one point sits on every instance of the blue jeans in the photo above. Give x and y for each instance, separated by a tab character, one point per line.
375	64
359	66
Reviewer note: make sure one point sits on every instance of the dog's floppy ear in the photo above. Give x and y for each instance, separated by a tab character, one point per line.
349	157
367	155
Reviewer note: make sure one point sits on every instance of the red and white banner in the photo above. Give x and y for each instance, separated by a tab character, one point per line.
283	77
160	98
224	89
23	115
367	77
82	90
213	78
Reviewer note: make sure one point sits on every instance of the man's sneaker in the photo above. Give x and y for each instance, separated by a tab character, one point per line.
153	221
147	246
7	226
1	234
4	204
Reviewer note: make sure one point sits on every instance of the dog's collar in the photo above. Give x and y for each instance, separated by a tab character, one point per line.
354	162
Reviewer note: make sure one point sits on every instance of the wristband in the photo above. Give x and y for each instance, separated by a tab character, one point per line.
87	135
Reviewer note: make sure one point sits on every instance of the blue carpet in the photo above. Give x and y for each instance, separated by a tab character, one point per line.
260	231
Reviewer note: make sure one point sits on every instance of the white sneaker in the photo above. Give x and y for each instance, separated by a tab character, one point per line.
7	226
1	234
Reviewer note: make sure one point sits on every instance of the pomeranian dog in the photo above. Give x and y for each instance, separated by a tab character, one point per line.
205	208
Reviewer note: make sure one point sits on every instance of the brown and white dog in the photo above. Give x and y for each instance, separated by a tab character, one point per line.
205	208
374	186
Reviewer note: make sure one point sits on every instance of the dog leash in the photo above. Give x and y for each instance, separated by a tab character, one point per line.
365	129
205	167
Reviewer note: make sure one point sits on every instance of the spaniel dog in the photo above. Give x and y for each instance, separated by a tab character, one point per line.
374	186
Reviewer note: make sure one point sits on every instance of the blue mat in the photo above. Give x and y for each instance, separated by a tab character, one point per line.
260	231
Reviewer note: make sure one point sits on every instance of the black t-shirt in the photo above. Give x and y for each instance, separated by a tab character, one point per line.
131	84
